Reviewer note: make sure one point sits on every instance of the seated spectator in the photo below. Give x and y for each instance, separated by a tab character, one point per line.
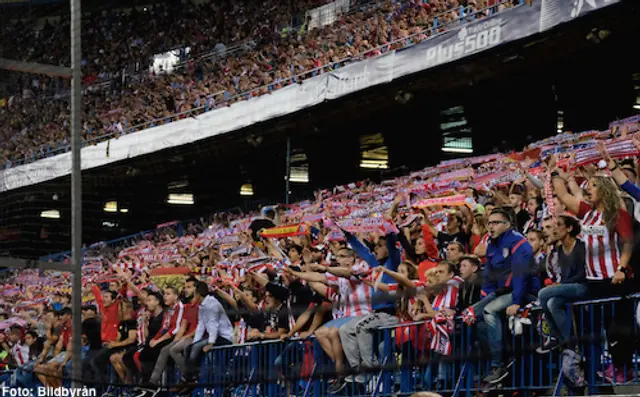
355	337
24	374
572	287
505	280
150	325
213	320
91	332
171	322
348	293
49	373
127	338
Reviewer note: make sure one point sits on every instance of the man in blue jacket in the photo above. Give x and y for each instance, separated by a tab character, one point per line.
508	281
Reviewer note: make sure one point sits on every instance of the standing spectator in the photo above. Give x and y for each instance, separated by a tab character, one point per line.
108	308
470	291
24	374
608	236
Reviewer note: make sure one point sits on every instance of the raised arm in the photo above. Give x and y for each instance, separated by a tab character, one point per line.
401	279
360	249
308	276
226	297
572	203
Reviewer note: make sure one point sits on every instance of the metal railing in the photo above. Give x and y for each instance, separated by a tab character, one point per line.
406	363
467	14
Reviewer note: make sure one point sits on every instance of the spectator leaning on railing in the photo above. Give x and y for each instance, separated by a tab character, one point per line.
508	282
572	286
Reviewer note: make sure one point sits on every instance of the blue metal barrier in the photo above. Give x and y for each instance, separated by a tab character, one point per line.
407	363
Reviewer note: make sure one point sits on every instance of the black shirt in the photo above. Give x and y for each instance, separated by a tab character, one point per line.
572	266
278	319
470	292
91	329
301	297
445	238
124	327
155	325
522	218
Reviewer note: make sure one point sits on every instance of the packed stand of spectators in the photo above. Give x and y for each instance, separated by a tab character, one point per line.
116	49
483	238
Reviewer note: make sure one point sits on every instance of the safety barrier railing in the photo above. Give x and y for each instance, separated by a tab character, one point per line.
406	361
465	15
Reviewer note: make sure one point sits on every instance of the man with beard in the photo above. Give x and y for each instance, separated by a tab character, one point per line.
551	270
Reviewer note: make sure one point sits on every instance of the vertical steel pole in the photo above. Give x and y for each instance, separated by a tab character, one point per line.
76	187
288	172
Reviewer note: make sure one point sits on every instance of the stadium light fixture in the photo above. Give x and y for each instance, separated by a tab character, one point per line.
111	206
50	214
299	175
246	189
379	164
636	106
457	150
124	210
180	199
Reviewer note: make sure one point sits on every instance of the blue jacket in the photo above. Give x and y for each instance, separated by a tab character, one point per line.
379	299
509	264
633	190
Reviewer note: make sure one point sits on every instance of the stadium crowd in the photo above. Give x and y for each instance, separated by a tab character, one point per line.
123	96
482	238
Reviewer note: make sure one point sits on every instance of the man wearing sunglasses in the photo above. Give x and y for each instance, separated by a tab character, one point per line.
507	281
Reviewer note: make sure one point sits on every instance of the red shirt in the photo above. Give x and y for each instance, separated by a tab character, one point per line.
191	316
602	243
110	320
65	334
423	267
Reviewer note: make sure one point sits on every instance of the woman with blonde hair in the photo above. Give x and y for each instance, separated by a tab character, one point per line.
608	237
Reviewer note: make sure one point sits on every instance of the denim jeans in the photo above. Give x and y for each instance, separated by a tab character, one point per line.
24	375
193	354
490	311
553	300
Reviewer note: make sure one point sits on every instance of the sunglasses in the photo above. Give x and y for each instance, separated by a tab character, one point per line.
495	223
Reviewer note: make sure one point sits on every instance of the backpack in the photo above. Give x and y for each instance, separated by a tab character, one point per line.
572	362
572	368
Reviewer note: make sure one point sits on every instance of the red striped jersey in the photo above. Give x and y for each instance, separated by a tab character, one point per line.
602	243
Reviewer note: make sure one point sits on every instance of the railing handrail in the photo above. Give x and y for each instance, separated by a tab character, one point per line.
414	323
